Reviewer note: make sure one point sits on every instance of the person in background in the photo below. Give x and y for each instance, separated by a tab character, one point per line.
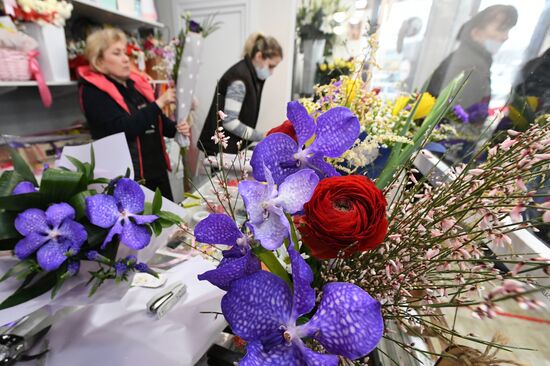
239	93
534	80
115	99
480	38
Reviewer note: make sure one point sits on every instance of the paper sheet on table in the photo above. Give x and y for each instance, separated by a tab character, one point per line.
124	334
112	156
74	291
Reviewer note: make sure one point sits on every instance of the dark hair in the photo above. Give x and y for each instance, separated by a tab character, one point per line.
486	16
268	46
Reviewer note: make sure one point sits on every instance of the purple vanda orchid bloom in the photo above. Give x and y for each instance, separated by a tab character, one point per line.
53	235
23	188
237	262
261	309
121	213
336	131
267	204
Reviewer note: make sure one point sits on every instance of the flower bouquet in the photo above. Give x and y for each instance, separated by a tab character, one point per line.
54	12
326	265
70	224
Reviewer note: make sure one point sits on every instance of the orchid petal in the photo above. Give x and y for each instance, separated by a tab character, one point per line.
231	269
337	130
130	196
256	306
303	123
101	210
23	187
57	213
217	229
52	255
272	231
277	356
135	236
312	358
32	220
115	230
253	194
144	219
274	152
302	277
29	244
348	321
297	189
321	167
73	232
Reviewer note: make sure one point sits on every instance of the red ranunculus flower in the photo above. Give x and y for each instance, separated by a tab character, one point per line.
344	214
287	128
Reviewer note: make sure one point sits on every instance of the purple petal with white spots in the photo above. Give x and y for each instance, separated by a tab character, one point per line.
302	276
321	167
73	232
253	193
23	187
231	269
135	236
144	219
256	306
32	220
58	212
29	244
348	321
217	229
130	196
278	356
276	151
115	230
337	130
312	358
297	189
52	255
272	231
101	210
303	123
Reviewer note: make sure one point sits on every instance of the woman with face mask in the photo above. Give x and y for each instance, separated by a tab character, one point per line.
480	38
116	99
239	93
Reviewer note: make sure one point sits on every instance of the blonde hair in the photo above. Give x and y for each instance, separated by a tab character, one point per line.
268	46
99	41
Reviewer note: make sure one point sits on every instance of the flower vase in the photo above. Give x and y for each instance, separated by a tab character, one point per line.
313	54
53	57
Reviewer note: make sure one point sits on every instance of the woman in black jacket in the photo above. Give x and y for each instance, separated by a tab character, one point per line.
239	93
116	99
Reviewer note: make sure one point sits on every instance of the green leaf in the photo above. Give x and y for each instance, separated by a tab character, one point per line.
157	201
100	181
78	201
24	294
7	228
8	181
22	267
148	208
21	167
156	227
21	202
269	259
169	216
77	163
96	235
92	159
59	185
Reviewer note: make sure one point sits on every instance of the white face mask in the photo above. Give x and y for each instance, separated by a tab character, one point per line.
262	73
492	46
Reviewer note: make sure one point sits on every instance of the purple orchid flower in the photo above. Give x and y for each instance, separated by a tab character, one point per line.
194	27
53	235
460	113
237	262
261	309
120	212
336	131
24	187
266	204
